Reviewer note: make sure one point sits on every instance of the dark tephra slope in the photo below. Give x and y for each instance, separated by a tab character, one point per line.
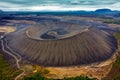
47	44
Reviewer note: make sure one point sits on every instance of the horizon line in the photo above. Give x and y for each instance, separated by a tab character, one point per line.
53	9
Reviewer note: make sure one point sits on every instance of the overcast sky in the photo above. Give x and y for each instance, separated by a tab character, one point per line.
60	5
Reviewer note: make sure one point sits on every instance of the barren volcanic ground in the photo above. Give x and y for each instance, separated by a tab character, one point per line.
59	42
62	43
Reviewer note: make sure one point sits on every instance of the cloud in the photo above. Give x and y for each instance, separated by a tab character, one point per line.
58	4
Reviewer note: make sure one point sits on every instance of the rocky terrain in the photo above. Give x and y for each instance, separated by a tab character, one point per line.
18	22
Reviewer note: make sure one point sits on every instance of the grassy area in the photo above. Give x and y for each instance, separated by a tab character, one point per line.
7	72
115	71
117	62
117	35
116	68
40	73
112	21
117	78
80	78
39	76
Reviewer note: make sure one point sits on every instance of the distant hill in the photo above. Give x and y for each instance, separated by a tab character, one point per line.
103	10
1	11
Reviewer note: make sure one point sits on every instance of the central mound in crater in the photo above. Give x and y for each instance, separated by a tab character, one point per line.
55	32
62	44
49	35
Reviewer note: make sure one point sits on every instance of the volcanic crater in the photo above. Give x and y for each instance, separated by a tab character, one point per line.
61	43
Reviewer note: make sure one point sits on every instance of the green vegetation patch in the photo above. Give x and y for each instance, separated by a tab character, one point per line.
117	36
117	78
80	78
46	71
7	72
117	63
115	72
3	63
112	21
38	76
